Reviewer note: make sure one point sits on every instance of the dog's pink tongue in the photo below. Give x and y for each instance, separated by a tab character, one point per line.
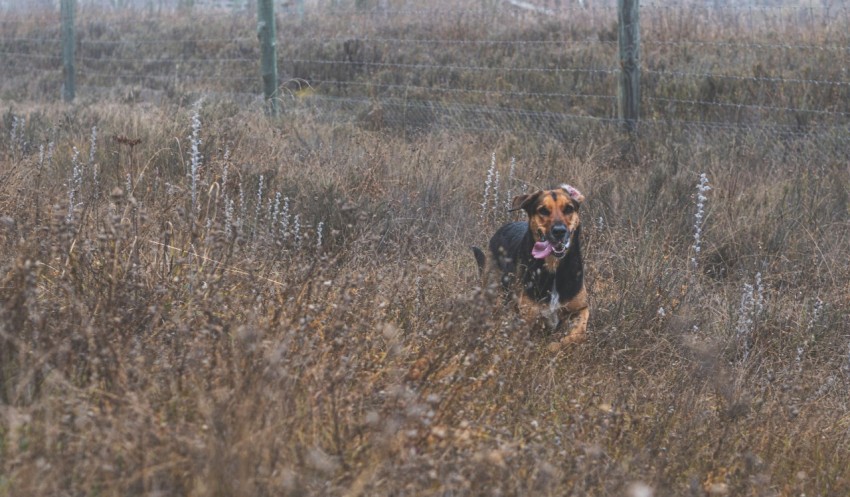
541	250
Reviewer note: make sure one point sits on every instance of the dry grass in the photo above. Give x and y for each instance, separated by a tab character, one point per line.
144	352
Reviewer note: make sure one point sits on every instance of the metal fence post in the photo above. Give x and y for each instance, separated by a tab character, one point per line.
67	8
268	52
628	88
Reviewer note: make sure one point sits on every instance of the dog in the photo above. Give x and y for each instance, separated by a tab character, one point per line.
539	262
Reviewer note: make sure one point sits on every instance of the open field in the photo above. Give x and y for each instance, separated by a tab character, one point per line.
243	306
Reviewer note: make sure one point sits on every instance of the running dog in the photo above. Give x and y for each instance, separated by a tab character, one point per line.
539	261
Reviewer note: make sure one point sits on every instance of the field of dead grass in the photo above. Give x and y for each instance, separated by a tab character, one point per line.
290	307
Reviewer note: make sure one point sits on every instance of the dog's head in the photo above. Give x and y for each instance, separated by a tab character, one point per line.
552	217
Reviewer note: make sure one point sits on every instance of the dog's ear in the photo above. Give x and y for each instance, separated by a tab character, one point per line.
574	194
525	202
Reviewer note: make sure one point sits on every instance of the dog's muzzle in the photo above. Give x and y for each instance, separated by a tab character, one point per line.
559	237
556	243
560	249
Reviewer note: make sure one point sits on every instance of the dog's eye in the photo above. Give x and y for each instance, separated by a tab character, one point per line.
568	209
543	211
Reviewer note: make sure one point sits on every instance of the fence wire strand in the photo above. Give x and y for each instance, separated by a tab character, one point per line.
539	72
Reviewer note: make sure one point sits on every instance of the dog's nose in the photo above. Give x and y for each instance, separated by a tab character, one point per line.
559	231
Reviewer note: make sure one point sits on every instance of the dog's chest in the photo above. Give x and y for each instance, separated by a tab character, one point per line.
551	306
541	285
550	264
551	287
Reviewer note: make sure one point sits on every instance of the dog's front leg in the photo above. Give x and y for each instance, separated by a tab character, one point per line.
578	330
528	309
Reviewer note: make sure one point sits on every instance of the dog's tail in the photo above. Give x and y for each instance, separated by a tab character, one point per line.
480	258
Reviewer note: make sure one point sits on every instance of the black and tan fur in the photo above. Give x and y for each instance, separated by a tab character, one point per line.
548	292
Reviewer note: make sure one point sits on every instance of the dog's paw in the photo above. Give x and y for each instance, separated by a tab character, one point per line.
571	339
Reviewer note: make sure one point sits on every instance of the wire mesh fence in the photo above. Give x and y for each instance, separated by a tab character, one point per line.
729	70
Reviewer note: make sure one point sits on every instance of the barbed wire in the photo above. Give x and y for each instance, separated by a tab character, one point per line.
586	42
748	106
564	7
759	79
570	7
161	41
431	104
812	142
519	100
398	65
748	45
31	55
30	40
148	60
172	77
519	94
258	96
489	11
433	41
471	68
440	67
462	91
453	108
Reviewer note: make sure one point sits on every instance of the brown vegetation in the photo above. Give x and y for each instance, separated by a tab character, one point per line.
143	351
